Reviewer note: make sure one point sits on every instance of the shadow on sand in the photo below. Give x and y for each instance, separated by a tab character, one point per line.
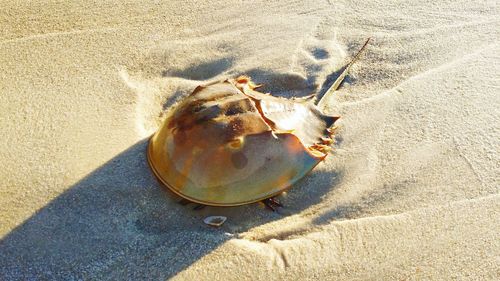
118	223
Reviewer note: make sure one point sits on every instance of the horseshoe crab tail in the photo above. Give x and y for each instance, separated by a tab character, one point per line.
342	75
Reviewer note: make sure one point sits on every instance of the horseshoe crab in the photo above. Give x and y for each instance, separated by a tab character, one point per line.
226	144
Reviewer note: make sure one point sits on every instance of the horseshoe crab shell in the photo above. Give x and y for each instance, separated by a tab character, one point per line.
227	144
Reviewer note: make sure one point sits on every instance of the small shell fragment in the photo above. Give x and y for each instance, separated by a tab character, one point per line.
215	220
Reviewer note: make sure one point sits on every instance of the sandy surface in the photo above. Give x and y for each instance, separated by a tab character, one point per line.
410	192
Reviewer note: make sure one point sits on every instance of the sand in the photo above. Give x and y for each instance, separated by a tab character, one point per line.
410	192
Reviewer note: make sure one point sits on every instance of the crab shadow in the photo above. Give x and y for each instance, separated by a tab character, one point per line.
287	84
119	223
290	84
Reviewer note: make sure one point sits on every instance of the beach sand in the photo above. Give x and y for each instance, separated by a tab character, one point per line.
410	191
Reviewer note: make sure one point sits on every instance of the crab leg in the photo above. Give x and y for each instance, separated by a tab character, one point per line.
272	204
183	202
199	207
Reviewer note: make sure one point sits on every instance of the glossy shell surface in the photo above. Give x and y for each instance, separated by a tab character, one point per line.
227	144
